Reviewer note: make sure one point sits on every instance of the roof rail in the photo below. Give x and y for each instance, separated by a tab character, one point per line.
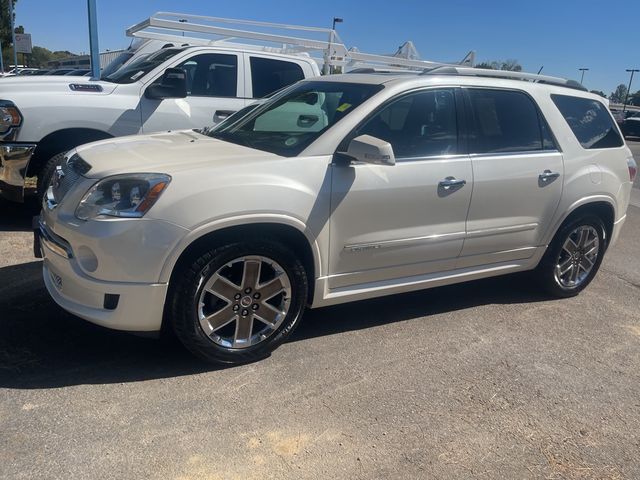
482	72
291	39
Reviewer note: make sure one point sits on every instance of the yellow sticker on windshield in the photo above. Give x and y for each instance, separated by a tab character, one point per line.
343	107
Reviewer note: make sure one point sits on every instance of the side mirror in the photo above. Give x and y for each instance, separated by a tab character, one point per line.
368	149
173	84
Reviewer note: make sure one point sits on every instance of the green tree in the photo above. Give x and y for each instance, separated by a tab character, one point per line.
634	98
619	94
509	64
5	22
40	56
599	92
5	32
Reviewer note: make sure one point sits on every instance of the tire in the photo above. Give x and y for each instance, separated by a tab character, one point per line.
558	259
230	270
46	174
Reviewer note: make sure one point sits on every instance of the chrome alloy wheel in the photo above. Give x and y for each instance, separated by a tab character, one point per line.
577	257
244	302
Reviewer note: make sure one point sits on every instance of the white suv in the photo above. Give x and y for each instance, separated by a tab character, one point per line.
337	189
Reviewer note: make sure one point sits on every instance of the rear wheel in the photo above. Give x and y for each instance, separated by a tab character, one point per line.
573	257
237	303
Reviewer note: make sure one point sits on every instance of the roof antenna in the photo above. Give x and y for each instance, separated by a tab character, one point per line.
540	69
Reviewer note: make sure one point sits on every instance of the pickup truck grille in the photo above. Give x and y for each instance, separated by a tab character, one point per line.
65	177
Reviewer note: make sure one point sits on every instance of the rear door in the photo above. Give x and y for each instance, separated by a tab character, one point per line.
215	90
517	172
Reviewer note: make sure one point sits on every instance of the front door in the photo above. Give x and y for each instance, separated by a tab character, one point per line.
215	88
518	175
390	222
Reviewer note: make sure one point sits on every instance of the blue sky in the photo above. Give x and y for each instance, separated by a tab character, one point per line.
562	35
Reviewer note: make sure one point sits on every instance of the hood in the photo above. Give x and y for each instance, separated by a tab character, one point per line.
167	152
52	84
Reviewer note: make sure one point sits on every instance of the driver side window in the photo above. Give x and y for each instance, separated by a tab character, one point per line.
211	75
421	124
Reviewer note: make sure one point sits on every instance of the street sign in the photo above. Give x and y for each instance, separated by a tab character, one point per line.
23	42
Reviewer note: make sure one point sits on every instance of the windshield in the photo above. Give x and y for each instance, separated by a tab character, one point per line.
117	62
135	70
291	121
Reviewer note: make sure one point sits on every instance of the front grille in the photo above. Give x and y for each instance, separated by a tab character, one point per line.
66	176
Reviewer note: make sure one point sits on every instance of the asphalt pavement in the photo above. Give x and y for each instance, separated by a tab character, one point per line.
488	379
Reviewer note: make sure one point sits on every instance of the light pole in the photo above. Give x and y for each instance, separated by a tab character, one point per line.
582	70
182	20
1	60
93	40
328	68
13	37
626	97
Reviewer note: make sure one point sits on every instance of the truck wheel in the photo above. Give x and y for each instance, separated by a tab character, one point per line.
573	257
237	303
46	174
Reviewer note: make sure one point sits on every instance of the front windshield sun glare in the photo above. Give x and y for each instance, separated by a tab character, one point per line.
130	72
290	121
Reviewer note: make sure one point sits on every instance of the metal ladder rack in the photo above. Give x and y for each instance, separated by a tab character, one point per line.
481	72
292	39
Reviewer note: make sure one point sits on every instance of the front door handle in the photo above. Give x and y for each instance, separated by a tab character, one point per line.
450	183
548	175
222	114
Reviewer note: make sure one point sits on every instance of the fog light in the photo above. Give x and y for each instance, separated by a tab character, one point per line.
86	257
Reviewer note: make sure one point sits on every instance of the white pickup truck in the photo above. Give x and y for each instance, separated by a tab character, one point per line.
174	87
169	81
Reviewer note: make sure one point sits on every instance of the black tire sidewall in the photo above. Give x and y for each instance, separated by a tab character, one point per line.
189	286
546	269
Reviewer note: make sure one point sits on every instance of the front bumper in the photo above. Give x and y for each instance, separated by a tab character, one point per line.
14	160
136	307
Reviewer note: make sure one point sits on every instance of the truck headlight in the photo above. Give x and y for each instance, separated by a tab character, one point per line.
9	116
127	195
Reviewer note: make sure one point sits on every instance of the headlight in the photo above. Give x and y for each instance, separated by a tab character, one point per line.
128	195
9	116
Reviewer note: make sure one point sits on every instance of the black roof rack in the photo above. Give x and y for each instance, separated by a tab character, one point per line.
481	72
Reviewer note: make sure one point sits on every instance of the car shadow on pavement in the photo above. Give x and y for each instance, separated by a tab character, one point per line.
42	346
16	217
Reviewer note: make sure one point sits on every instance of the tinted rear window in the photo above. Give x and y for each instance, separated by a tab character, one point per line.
589	120
268	75
506	121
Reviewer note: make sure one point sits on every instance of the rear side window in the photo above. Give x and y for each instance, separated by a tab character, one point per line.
589	120
506	121
269	75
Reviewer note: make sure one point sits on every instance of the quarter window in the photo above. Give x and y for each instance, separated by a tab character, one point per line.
417	125
212	75
589	120
268	75
506	121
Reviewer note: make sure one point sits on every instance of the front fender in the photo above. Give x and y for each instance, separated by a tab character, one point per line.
239	220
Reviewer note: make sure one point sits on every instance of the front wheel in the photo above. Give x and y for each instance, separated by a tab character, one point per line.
237	303
573	257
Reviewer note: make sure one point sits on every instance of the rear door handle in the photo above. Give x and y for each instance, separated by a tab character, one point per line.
222	114
450	183
548	175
